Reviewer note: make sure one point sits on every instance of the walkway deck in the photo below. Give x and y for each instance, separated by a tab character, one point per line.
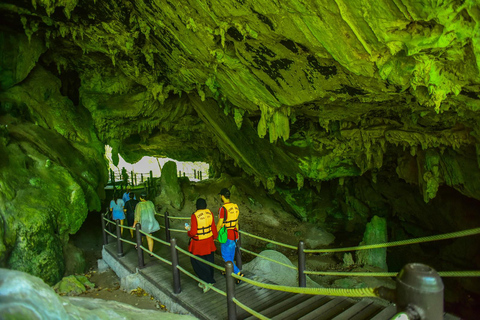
270	303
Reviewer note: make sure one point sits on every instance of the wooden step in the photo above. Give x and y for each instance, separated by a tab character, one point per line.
303	308
280	307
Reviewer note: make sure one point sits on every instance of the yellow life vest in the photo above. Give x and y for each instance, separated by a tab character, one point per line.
204	223
232	215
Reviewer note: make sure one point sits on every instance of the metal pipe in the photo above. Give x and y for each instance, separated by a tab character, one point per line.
231	306
420	292
105	238
119	241
302	278
176	273
141	262
167	227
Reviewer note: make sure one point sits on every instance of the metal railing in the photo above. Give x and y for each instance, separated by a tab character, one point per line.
409	296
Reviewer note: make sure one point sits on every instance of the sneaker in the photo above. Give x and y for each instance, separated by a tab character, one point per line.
241	275
205	288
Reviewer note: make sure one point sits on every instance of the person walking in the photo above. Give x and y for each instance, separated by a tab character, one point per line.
126	195
228	216
116	208
129	209
145	215
202	232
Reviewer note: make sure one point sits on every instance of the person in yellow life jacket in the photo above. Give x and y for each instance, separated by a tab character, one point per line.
228	217
202	232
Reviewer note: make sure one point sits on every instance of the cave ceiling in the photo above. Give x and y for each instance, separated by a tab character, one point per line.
283	90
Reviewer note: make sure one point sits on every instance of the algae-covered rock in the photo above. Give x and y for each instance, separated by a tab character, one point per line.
73	285
75	262
375	232
171	193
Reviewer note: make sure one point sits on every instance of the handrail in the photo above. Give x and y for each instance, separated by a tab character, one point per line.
179	218
201	281
177	230
438	237
268	240
154	238
200	259
250	310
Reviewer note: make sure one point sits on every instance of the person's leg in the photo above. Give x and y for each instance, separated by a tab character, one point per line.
228	253
150	243
121	229
210	258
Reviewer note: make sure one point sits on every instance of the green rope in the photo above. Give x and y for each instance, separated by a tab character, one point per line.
159	214
111	234
459	273
179	218
130	242
392	274
337	292
402	242
155	238
201	281
156	256
177	230
267	240
200	259
250	310
266	258
129	228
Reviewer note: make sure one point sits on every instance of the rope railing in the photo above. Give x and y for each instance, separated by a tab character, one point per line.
179	218
268	240
201	281
250	310
200	259
444	236
337	292
301	289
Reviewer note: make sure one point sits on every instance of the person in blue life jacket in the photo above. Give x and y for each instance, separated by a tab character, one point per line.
126	195
228	216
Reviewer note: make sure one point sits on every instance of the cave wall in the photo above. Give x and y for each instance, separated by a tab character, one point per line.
303	97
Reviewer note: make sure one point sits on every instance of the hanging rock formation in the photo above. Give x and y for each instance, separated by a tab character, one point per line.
337	107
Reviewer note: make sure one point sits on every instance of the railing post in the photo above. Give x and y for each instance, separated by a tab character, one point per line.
420	292
167	227
302	278
141	177
119	241
131	178
135	180
238	253
105	238
176	273
141	263
231	306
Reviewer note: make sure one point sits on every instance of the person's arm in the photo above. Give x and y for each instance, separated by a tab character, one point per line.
214	230
221	214
193	226
136	219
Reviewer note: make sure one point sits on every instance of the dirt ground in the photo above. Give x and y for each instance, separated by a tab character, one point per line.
107	284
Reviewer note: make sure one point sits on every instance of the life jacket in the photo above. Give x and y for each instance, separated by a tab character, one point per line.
204	224
231	219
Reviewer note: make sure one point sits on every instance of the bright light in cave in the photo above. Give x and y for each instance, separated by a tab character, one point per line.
147	164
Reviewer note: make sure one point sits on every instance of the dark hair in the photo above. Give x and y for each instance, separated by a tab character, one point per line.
201	204
131	195
143	195
225	192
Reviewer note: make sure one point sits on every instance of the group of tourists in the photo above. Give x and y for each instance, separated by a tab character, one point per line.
201	230
135	211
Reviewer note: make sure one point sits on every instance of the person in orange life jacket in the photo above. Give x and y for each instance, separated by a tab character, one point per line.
202	232
228	216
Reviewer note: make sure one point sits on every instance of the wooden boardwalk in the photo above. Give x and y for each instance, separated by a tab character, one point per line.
270	303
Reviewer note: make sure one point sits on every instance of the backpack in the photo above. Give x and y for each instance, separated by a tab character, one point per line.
223	233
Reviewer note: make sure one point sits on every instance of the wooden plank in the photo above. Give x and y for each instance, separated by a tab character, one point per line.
350	312
286	304
302	308
328	310
386	314
367	312
272	298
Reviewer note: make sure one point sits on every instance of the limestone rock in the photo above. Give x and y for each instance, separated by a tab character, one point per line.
74	260
171	193
375	232
23	296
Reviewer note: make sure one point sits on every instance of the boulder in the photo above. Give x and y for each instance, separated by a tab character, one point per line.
171	193
23	296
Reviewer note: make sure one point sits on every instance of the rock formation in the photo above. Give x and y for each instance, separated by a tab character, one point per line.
341	109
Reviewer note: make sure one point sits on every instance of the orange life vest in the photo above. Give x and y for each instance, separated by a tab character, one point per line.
232	215
204	223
